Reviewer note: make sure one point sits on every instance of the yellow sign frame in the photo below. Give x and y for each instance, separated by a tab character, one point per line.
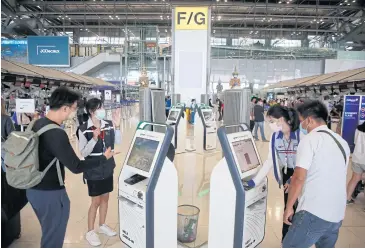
191	18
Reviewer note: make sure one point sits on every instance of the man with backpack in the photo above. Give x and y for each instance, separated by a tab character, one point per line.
35	160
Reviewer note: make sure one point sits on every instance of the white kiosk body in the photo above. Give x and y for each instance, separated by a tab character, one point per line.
177	121
205	129
148	187
237	214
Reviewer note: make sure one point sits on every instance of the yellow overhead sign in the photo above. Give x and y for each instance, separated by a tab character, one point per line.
191	18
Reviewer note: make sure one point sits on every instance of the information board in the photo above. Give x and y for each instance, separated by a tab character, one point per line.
25	106
350	118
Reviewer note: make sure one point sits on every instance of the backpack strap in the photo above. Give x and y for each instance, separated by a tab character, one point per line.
59	174
338	144
47	128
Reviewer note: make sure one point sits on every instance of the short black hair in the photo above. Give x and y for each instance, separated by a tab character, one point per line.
253	98
313	108
63	96
92	105
289	114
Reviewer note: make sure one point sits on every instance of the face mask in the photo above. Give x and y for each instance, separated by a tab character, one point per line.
275	127
100	114
304	131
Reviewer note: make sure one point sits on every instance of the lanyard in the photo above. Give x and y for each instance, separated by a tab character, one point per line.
286	156
102	137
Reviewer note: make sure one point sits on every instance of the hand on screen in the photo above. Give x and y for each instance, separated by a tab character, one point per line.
109	153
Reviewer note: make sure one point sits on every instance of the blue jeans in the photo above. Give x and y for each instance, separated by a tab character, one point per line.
52	208
261	125
308	230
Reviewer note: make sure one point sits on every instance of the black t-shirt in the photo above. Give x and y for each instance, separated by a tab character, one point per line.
258	112
55	143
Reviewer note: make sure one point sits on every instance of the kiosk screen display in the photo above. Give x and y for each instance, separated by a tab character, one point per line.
208	116
142	154
246	155
173	115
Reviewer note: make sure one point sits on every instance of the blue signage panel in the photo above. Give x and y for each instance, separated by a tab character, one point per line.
11	48
350	119
49	51
362	111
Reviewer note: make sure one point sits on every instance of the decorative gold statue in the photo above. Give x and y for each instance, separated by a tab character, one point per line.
235	81
143	79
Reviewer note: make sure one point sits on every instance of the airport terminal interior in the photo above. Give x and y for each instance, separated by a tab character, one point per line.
182	124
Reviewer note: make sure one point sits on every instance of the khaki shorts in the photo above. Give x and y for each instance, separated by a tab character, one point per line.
358	168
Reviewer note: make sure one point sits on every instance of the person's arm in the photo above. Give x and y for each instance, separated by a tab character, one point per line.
58	143
264	170
86	147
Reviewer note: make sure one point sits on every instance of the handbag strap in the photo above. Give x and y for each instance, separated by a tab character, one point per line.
338	144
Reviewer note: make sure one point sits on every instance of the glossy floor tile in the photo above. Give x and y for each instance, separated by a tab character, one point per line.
193	173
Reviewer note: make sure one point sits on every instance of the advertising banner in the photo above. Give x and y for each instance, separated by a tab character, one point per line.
14	48
350	118
362	110
49	51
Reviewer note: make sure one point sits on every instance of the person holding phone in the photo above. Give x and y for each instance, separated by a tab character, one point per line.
95	136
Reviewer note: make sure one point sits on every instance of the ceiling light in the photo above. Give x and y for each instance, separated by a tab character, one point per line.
354	1
217	0
116	17
340	3
349	48
349	4
66	16
213	31
279	1
321	20
39	6
69	18
59	16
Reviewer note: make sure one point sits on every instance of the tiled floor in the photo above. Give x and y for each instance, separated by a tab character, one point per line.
193	189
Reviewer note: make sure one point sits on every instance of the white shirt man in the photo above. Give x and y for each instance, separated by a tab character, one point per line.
319	182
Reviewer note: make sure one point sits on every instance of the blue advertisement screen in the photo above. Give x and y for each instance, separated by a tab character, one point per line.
11	48
350	119
49	51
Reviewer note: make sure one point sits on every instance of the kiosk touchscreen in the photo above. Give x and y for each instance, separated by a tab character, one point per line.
205	129
176	120
237	213
147	191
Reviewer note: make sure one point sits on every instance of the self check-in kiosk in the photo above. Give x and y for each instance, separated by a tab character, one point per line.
237	214
148	187
176	120
205	129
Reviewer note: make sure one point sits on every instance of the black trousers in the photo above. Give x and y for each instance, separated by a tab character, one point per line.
286	195
252	125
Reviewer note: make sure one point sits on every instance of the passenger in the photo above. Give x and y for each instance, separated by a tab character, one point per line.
95	136
358	161
284	123
7	127
258	112
167	105
49	200
319	181
252	105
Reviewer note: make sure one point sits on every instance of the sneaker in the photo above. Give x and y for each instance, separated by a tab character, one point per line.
93	238
104	229
350	202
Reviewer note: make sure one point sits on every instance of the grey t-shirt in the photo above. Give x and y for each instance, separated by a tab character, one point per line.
258	112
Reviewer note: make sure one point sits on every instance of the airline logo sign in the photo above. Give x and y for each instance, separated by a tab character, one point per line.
191	18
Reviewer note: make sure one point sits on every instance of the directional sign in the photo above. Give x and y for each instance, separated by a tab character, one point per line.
191	18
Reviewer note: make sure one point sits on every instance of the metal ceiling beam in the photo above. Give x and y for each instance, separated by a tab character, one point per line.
216	28
182	3
123	14
354	34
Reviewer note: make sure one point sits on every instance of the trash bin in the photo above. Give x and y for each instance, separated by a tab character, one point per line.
187	224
